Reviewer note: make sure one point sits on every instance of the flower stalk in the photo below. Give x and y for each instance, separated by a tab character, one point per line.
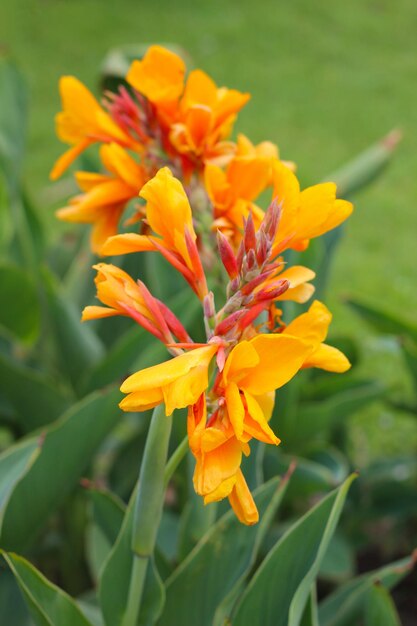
148	508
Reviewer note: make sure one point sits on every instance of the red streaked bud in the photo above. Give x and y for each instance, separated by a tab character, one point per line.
227	255
250	286
251	259
208	305
221	358
249	234
228	323
271	220
262	248
251	315
174	323
240	255
272	291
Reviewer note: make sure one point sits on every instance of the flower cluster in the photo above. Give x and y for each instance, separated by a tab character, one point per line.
166	140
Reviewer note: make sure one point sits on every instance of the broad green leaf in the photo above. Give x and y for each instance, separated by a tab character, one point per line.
380	608
366	166
383	321
345	605
13	609
115	579
47	603
338	563
77	347
67	450
14	463
310	615
107	518
19	311
218	564
279	590
36	399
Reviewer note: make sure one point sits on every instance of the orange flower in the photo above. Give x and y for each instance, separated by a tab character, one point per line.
305	214
123	296
168	213
105	195
160	77
313	327
205	118
218	455
178	382
82	122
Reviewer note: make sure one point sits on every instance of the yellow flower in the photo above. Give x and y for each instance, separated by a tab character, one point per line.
82	122
218	455
305	214
168	213
178	382
105	195
313	327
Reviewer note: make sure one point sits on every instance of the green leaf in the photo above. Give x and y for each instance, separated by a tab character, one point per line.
338	563
383	321
14	463
310	615
36	399
345	605
77	347
279	590
67	450
365	167
380	608
19	312
107	518
218	564
48	605
13	609
115	579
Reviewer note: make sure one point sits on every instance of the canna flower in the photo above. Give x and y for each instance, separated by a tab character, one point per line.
105	195
218	455
205	119
178	382
81	123
313	327
123	296
160	77
168	214
304	214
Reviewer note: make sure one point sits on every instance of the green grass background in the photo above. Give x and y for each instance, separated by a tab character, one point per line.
327	78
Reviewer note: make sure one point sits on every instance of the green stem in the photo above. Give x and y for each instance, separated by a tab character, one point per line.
148	508
175	459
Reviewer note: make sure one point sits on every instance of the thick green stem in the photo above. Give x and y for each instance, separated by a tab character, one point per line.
148	508
175	459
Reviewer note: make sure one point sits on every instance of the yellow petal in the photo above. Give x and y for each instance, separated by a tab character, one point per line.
328	358
261	430
159	75
97	312
124	244
222	491
242	502
313	325
235	408
242	357
142	400
280	358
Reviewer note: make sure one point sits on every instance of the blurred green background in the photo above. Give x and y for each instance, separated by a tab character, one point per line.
327	79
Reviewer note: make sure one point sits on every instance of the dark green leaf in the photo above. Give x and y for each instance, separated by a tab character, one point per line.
278	592
218	564
36	399
48	605
380	609
345	605
77	347
67	450
19	312
13	119
13	609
